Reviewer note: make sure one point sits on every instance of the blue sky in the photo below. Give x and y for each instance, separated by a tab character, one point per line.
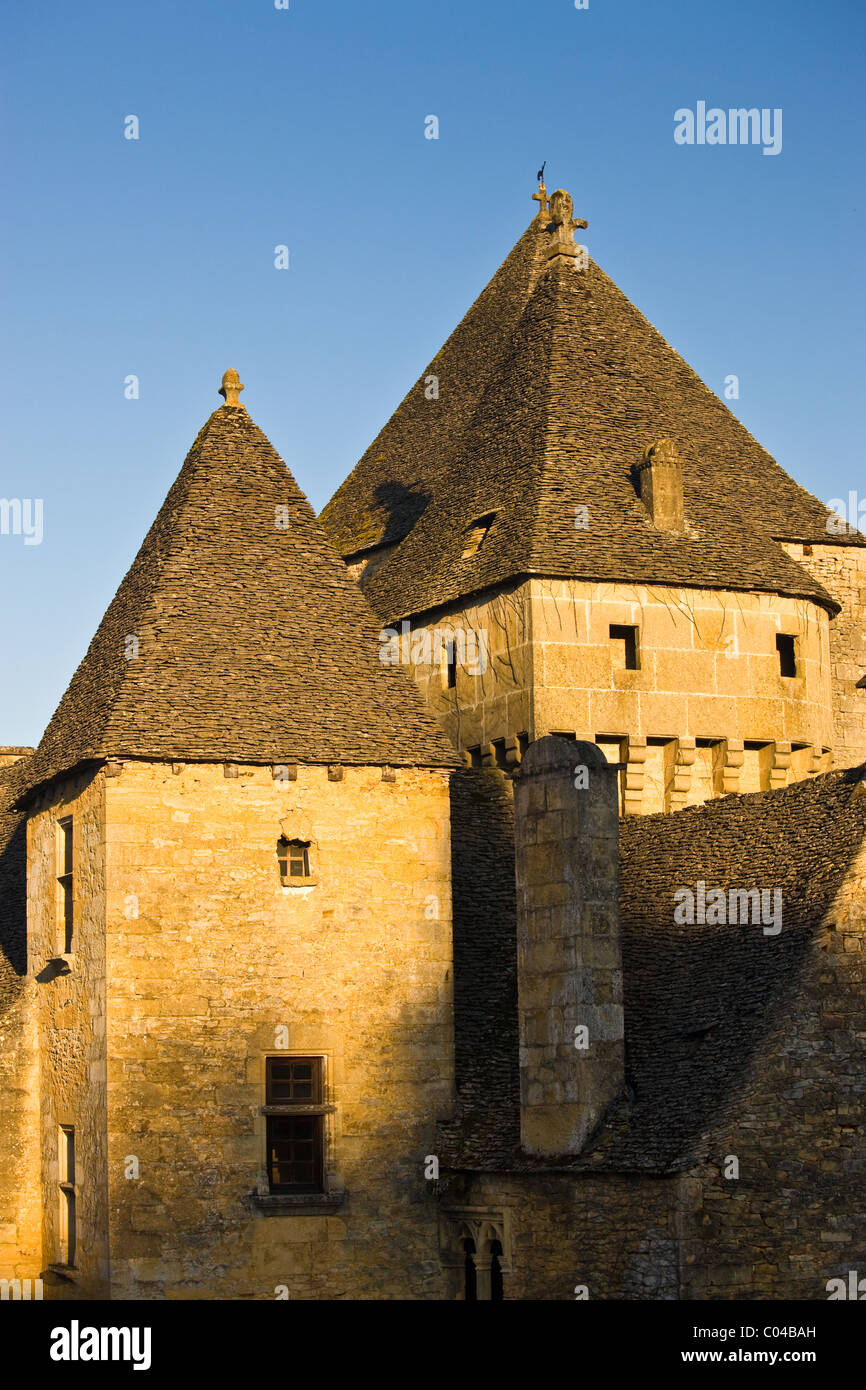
305	127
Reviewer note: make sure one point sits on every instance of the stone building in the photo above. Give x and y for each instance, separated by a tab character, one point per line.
318	981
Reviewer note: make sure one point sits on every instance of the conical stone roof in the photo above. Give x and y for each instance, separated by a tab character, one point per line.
237	635
549	392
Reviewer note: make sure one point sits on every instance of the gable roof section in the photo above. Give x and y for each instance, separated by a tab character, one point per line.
550	390
254	645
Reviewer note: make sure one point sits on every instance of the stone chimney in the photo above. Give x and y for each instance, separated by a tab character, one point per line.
660	484
569	956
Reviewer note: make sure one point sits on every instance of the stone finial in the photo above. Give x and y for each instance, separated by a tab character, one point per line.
562	225
541	198
662	451
231	388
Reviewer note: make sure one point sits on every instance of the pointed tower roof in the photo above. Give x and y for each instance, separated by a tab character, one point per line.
550	392
237	634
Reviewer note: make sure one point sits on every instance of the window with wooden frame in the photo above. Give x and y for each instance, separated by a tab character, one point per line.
293	857
66	1172
65	885
295	1115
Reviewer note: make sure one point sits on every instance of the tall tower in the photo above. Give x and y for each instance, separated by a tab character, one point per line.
603	549
239	918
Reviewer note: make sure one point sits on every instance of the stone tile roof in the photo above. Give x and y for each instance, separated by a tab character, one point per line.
705	1006
254	645
550	390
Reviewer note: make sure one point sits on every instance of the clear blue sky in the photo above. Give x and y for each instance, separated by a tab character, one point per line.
305	127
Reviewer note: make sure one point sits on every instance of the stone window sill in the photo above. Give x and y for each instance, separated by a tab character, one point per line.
297	1204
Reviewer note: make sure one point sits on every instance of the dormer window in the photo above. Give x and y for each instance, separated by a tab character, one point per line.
476	534
293	857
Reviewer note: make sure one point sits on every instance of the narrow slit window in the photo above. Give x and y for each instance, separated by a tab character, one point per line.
476	534
624	646
66	1170
295	1124
449	665
293	857
786	646
66	884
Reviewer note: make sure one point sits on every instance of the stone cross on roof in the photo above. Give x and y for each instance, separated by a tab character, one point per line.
231	388
563	225
541	198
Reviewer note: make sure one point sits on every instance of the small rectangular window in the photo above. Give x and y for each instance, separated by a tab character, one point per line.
66	1172
624	647
66	884
295	1124
786	646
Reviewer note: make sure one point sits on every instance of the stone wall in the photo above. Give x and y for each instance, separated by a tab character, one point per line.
213	965
568	1237
746	1047
793	1219
708	687
706	713
842	571
71	1011
491	703
20	1192
20	1187
732	1167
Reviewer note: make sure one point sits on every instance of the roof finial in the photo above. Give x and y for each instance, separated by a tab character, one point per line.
541	196
562	242
231	388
